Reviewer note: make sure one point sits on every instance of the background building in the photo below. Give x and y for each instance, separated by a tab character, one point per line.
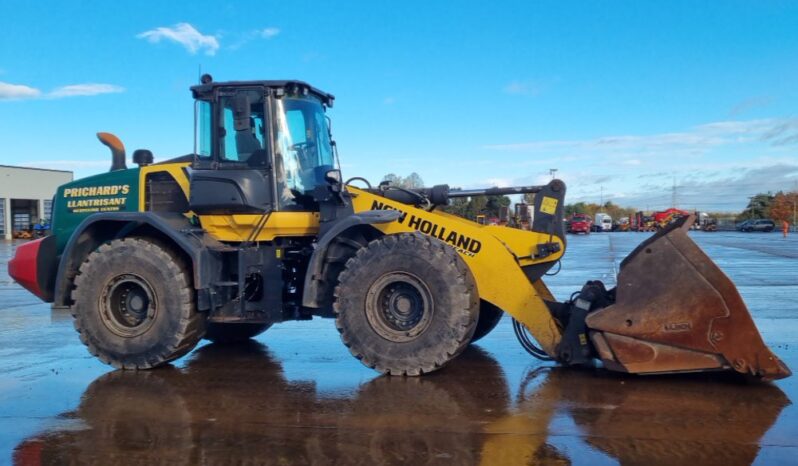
26	196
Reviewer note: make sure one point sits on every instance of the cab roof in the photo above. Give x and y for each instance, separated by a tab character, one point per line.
288	86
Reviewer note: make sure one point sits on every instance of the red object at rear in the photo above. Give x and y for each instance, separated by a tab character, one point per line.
33	267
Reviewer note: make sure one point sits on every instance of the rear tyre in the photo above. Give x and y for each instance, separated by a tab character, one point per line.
134	305
489	317
232	332
406	304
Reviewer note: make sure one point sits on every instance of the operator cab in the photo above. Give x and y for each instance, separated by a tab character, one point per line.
260	146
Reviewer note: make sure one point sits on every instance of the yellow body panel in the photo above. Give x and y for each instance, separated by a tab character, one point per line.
495	263
237	227
174	169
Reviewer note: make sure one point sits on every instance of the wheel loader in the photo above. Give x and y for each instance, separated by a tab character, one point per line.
257	226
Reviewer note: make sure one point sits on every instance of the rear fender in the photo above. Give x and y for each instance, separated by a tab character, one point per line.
99	228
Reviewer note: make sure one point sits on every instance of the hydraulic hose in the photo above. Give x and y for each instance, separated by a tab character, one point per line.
526	342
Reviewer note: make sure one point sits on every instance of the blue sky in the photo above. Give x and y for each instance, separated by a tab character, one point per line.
624	98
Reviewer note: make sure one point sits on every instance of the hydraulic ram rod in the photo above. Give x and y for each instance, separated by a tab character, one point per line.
495	191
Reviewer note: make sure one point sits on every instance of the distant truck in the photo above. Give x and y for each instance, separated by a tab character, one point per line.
603	222
580	223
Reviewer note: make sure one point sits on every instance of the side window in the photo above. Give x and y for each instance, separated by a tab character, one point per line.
239	145
203	131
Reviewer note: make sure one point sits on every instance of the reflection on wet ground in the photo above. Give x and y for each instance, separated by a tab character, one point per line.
295	396
234	405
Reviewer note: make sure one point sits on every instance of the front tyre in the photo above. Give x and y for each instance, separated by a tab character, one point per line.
134	305
406	304
489	318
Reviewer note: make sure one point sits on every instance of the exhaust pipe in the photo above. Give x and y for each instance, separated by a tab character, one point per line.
117	150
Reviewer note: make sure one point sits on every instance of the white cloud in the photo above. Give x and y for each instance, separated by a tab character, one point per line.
727	190
716	166
22	92
750	104
71	164
529	88
242	39
694	141
185	35
268	33
17	92
498	182
87	89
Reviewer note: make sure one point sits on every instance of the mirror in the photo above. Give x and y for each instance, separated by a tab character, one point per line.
333	176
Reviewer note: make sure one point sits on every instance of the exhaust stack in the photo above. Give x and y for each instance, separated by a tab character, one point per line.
117	150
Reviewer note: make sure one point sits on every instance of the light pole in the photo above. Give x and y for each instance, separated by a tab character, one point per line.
552	172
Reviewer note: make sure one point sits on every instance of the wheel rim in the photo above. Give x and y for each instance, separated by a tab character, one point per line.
128	306
399	306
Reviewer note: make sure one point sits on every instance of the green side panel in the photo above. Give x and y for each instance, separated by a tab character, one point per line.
116	191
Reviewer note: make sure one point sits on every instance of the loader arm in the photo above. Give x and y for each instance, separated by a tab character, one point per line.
506	263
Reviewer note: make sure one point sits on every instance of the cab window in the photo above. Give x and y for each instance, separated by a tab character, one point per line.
303	151
242	143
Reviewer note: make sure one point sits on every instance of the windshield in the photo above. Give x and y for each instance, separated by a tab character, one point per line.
303	153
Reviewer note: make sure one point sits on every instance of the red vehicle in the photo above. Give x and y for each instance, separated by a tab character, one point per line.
664	218
580	223
642	222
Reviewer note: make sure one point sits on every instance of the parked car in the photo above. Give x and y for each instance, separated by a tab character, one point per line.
580	223
761	224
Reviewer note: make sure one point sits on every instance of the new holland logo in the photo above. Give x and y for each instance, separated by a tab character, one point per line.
464	244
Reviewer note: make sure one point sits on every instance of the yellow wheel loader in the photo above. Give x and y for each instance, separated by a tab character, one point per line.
257	227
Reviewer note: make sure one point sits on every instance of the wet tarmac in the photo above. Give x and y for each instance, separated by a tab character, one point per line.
296	396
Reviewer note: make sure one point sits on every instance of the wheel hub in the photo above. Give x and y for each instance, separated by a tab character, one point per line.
399	306
127	305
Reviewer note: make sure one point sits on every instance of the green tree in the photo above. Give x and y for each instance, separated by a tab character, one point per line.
757	207
393	178
412	181
458	206
493	205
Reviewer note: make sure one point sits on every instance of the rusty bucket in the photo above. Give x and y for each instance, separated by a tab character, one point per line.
676	311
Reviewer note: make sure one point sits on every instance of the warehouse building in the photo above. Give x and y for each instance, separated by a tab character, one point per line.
26	197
